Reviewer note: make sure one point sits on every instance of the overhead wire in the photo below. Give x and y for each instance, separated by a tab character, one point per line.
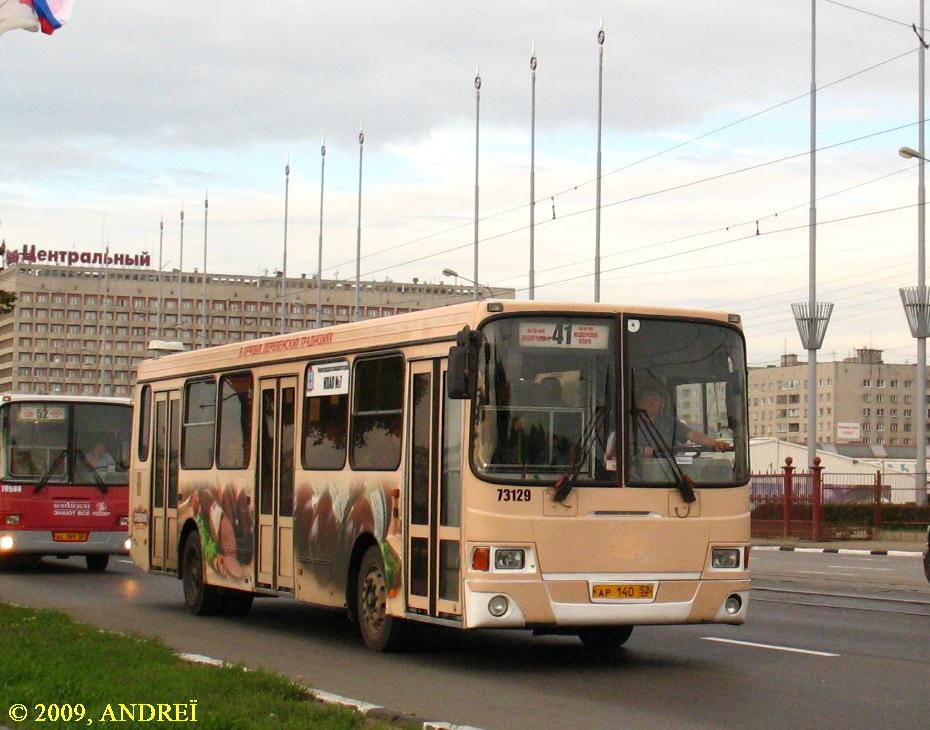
642	196
629	165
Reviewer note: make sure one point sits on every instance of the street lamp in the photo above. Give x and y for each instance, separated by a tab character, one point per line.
452	272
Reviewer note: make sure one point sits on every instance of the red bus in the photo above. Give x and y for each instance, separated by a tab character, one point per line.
64	475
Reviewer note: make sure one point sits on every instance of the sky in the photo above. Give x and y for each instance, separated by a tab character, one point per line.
134	111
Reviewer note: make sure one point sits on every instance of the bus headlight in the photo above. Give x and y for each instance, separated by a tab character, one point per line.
127	544
6	543
726	558
13	519
509	559
733	604
498	606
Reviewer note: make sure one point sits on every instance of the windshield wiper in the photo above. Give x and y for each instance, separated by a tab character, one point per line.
660	449
565	483
51	470
83	457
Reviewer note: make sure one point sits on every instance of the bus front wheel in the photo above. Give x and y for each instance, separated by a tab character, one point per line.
604	639
201	599
97	563
379	631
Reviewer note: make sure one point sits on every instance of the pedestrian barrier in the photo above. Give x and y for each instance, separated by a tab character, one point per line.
828	506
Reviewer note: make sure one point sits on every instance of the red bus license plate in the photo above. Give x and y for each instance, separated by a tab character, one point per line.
622	591
69	536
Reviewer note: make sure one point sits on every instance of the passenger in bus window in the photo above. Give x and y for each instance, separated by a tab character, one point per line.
22	464
657	429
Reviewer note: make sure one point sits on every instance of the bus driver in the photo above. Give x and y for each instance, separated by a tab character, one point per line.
657	430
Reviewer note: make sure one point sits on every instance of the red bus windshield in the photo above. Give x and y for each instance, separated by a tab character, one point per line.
65	443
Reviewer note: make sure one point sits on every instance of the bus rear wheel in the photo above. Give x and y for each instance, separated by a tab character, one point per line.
604	639
201	599
97	563
379	631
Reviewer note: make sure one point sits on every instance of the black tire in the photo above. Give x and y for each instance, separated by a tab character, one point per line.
201	599
604	639
237	603
379	631
97	563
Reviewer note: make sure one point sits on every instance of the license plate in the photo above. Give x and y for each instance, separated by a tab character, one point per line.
622	592
69	536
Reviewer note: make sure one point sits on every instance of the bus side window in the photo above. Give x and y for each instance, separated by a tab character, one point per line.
377	412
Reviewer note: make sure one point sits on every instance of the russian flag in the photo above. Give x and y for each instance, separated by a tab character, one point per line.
52	14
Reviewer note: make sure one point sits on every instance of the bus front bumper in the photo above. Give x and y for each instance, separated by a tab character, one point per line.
43	542
567	602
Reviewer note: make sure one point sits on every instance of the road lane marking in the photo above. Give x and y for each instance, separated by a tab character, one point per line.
826	572
858	567
774	647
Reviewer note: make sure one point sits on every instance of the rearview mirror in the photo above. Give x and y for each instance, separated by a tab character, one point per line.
462	374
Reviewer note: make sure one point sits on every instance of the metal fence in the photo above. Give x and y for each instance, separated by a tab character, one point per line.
822	505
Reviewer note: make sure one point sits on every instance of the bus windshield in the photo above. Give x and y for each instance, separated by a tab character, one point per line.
686	386
546	385
74	443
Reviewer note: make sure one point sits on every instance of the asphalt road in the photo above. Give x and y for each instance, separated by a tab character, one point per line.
848	649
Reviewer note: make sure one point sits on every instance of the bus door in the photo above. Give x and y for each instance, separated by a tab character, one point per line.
275	564
434	489
163	495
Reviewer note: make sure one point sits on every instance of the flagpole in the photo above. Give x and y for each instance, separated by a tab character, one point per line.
533	173
287	180
319	265
358	239
477	124
203	339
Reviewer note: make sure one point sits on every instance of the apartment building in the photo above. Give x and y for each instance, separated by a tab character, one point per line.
860	399
83	329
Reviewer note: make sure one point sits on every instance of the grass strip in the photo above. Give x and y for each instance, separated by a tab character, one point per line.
46	659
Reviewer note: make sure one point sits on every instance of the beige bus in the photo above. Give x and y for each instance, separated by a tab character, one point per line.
564	468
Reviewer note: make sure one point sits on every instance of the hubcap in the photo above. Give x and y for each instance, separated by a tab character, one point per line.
373	600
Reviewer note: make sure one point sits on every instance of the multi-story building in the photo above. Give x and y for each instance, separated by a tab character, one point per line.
83	329
859	400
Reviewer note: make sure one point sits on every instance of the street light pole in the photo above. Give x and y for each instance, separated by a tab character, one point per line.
287	181
161	303
203	339
319	265
812	317
477	121
533	63
915	299
181	281
917	310
597	205
358	238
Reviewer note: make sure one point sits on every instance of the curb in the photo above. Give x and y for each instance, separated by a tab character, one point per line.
840	551
366	709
